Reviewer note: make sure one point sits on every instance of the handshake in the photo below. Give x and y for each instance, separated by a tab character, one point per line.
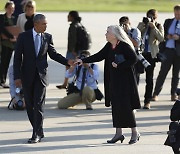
77	61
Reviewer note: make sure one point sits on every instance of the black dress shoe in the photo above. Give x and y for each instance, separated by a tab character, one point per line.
134	140
121	138
35	139
42	136
30	140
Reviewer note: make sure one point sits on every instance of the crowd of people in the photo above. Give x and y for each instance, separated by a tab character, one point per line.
128	53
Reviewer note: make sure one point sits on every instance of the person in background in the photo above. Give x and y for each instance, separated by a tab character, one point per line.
25	20
17	99
72	51
119	81
172	54
135	36
152	34
7	43
85	93
19	5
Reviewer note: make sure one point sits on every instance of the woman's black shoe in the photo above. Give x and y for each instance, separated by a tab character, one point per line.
121	138
134	140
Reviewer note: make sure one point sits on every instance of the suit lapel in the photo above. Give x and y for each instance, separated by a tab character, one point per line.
32	42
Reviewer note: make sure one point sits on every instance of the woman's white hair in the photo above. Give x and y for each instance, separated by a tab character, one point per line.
120	34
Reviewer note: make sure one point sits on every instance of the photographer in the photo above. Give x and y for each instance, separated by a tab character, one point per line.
85	85
152	34
135	37
17	99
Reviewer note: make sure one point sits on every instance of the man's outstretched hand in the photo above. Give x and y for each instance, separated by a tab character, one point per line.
71	62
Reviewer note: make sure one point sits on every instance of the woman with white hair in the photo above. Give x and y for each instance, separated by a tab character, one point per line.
119	81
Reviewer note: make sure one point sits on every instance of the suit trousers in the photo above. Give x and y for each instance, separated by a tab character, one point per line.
88	96
4	62
149	77
174	61
35	100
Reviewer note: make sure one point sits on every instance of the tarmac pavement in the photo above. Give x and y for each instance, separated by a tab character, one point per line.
81	131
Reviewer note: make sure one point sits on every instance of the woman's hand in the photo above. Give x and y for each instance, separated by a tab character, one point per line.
114	65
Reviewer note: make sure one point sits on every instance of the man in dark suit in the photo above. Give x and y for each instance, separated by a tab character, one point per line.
172	53
30	71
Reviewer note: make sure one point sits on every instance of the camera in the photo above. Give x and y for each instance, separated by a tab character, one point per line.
82	56
19	105
141	58
146	20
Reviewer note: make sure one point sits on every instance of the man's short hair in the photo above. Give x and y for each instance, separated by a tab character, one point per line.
123	19
151	12
38	17
176	7
85	52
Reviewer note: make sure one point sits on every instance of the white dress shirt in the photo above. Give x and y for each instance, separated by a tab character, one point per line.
90	80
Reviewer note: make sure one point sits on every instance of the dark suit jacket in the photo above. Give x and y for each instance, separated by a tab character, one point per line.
175	111
26	64
167	25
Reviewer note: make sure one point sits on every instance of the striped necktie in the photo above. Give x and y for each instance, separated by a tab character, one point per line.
176	27
83	80
146	43
36	43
